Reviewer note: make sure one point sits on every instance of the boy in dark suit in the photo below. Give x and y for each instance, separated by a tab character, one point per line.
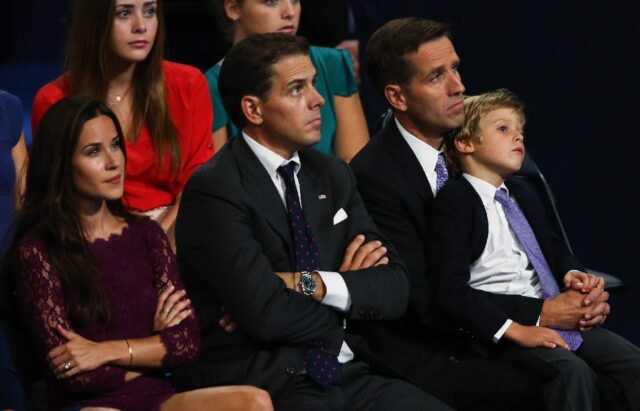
498	271
414	65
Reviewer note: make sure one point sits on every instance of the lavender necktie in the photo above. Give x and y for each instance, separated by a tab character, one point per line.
548	285
442	175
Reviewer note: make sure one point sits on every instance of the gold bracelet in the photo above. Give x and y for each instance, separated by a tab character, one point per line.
130	352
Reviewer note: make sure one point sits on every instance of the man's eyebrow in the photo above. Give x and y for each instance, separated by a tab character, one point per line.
435	70
296	81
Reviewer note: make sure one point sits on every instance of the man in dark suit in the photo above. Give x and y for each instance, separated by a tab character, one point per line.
490	234
275	234
413	64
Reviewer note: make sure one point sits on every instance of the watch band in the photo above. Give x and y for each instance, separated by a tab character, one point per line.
307	283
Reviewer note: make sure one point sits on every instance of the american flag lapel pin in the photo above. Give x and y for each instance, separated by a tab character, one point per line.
322	197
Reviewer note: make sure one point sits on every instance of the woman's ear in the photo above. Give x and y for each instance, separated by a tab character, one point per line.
232	9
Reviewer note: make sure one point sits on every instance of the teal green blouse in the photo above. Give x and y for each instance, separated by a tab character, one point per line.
334	78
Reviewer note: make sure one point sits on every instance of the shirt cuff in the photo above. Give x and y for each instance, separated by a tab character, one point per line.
501	331
337	293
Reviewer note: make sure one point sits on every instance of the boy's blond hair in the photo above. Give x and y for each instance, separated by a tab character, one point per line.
475	109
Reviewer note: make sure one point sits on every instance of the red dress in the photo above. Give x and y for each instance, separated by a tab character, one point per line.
147	186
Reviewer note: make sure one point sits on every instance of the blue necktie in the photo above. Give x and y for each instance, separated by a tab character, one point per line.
548	285
442	174
323	367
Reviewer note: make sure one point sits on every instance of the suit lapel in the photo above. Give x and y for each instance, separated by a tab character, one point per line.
406	159
259	186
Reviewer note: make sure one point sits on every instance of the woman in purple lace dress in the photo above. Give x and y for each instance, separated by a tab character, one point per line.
97	287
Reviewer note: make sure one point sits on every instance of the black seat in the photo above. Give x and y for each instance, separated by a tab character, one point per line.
532	174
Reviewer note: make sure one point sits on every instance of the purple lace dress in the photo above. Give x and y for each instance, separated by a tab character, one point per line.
137	265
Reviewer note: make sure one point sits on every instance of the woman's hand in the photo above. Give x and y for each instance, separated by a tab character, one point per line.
76	355
172	308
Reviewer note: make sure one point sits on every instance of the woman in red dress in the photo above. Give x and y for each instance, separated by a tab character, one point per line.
115	54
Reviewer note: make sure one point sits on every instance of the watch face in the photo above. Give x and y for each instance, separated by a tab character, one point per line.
308	284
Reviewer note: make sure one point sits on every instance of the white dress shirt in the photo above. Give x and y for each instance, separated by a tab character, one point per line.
503	266
427	155
337	294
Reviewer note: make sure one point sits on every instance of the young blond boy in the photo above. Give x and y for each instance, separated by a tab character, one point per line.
498	271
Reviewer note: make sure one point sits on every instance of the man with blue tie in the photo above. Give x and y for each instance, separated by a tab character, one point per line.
413	64
274	234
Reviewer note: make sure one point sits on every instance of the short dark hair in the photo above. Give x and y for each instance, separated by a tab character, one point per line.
387	50
247	69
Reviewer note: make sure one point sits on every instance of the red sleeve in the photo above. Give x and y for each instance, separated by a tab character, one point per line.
182	341
200	144
41	299
45	97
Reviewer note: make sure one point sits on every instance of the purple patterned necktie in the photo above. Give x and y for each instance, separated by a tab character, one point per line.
548	285
442	175
323	367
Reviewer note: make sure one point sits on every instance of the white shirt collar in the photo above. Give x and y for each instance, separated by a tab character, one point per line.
427	155
269	159
416	144
486	190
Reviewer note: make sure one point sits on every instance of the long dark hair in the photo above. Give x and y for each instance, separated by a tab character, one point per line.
50	211
89	59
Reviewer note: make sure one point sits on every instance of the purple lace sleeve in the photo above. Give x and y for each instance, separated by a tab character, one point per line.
182	341
41	300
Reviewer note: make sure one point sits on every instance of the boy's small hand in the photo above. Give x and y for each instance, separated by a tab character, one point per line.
534	337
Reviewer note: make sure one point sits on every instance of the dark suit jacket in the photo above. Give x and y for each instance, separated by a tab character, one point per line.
398	196
233	234
458	237
424	344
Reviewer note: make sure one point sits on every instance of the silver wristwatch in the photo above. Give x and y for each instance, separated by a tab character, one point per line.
307	283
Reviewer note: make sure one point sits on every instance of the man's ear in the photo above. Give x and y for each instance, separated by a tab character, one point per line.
466	146
252	109
232	9
395	97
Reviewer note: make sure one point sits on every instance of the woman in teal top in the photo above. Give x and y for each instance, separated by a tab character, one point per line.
344	129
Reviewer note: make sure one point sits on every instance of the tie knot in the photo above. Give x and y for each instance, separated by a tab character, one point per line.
287	171
442	174
503	197
440	163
